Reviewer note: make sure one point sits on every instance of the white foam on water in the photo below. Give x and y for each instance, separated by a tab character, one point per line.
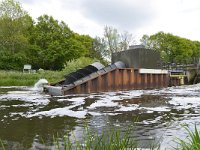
77	100
40	84
185	102
110	99
95	113
59	112
26	96
157	109
128	108
102	103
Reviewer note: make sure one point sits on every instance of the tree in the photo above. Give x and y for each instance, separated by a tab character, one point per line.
145	40
49	43
99	45
53	44
14	24
126	39
112	42
172	48
112	38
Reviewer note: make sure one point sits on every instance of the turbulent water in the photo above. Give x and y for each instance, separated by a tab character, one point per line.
29	118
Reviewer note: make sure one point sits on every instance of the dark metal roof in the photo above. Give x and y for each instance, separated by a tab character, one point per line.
83	72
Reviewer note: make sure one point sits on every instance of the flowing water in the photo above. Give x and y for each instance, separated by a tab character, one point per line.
30	118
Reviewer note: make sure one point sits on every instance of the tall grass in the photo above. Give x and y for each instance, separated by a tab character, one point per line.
116	140
2	145
192	141
17	78
110	140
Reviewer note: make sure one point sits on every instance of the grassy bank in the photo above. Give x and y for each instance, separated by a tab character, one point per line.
17	78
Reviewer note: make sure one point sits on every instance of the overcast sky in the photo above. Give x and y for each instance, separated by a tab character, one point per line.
179	17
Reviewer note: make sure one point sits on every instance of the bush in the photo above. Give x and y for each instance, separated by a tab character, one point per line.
76	64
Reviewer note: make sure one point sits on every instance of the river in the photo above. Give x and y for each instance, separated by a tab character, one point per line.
30	118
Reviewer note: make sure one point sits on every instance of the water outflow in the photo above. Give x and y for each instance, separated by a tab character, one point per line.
40	84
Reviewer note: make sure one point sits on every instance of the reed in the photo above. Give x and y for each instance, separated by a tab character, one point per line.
109	140
192	141
2	145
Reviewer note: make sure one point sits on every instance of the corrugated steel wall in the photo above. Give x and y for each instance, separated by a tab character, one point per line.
120	79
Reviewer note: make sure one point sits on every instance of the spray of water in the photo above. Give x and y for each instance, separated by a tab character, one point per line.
40	84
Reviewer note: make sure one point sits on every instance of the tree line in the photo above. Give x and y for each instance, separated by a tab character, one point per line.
45	43
173	49
48	43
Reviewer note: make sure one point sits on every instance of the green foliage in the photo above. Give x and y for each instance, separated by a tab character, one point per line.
76	64
192	142
46	44
173	48
49	44
2	145
15	78
112	42
109	140
14	24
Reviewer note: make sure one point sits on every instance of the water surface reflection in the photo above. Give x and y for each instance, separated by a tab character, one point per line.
29	119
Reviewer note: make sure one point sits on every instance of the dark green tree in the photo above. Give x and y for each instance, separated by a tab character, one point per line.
172	48
14	25
53	44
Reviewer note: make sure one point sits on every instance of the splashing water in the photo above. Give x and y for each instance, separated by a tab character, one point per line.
40	84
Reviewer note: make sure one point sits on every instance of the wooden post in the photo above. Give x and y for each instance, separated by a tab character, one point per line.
161	81
151	81
157	80
99	83
132	79
139	79
148	81
145	81
136	79
124	79
109	81
120	83
116	82
88	86
78	89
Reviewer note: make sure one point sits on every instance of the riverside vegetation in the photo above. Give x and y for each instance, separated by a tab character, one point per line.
48	43
114	139
18	78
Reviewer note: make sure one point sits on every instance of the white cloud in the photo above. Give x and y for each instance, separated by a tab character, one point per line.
179	17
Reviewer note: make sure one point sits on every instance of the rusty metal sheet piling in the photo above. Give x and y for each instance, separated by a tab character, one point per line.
116	79
121	79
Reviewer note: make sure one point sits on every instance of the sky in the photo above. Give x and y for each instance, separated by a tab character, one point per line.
138	17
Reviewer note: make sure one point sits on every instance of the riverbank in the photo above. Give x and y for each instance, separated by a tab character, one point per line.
16	78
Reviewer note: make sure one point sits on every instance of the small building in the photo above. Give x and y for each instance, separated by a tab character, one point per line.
138	57
27	68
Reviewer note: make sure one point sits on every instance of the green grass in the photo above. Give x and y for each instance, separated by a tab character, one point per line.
192	141
2	145
115	140
110	140
17	78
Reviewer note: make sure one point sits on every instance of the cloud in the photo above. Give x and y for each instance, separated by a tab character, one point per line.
123	14
138	17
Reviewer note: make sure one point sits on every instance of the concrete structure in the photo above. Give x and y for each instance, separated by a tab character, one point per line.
138	58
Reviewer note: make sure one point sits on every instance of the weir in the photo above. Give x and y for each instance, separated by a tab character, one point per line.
121	75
